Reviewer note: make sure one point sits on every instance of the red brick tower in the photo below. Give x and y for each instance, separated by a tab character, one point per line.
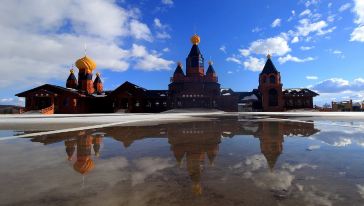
98	86
71	80
270	87
85	65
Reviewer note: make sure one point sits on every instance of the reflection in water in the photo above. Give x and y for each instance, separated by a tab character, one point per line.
196	143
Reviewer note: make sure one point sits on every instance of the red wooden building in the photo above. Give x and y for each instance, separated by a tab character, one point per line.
193	88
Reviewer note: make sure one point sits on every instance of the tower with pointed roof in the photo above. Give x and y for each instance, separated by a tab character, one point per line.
98	86
194	89
270	87
71	80
271	137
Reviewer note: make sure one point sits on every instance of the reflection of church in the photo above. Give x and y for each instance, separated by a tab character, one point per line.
193	88
193	144
83	144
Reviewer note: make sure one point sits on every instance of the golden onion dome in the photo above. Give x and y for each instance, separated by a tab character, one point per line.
83	167
195	39
86	63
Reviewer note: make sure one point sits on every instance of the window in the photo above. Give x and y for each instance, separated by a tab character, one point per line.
137	104
164	104
264	79
272	79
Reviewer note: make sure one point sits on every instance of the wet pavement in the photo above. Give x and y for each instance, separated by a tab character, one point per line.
255	160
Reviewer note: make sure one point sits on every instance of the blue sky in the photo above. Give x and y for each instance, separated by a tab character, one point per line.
317	44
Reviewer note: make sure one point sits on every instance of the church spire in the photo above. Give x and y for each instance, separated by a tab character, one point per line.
195	60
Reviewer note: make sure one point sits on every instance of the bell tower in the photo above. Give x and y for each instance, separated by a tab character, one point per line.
270	87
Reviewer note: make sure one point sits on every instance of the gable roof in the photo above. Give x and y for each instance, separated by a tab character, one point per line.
50	88
130	85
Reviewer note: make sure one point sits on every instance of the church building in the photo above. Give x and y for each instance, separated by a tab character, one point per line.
192	88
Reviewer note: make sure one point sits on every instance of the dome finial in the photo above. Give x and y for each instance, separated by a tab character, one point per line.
98	74
195	39
179	64
211	62
269	55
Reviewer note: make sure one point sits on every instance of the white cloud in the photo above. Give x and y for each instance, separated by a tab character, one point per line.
149	61
158	23
244	52
256	29
289	58
337	52
306	12
50	36
233	59
358	33
306	48
6	100
339	85
140	30
293	14
166	49
167	2
295	40
147	166
361	190
311	77
311	2
254	64
344	7
306	27
223	48
162	35
275	45
229	72
276	23
161	30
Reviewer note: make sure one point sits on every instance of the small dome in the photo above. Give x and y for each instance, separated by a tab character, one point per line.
195	39
86	63
84	167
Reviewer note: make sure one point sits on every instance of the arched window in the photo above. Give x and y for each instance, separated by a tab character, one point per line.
264	79
272	79
273	98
